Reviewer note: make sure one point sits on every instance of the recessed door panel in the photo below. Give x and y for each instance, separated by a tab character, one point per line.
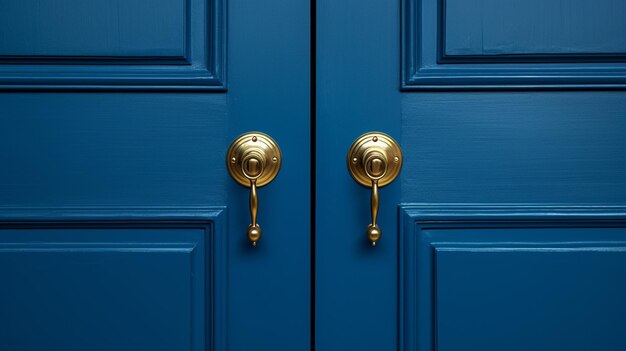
112	286
113	45
94	28
533	27
530	296
511	277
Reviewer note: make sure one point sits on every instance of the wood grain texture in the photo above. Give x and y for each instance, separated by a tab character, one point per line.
525	147
113	45
357	91
77	149
551	55
531	27
160	144
269	91
483	164
106	28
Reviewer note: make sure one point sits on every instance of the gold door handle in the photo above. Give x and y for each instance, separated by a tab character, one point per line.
374	160
253	160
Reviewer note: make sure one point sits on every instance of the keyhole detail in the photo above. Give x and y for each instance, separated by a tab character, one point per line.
376	167
252	167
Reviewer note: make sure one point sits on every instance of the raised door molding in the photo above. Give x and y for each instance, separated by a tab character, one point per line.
134	259
113	45
490	44
479	276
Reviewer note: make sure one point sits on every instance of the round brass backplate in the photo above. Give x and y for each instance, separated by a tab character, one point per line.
374	143
263	149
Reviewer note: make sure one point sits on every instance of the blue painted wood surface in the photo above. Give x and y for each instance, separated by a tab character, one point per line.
269	90
107	279
113	45
558	297
81	157
521	62
484	166
357	91
530	27
512	277
528	147
93	28
81	149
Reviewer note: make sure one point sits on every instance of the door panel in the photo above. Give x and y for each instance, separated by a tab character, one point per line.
109	284
504	229
113	45
511	277
115	28
458	44
510	27
114	174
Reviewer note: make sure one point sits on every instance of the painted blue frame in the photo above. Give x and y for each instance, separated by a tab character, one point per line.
426	67
213	220
203	67
416	218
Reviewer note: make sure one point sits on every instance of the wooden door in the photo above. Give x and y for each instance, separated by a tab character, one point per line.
506	227
121	228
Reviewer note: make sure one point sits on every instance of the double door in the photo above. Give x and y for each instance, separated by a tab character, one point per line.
122	227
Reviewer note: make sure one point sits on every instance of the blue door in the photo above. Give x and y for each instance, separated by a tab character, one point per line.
506	227
120	226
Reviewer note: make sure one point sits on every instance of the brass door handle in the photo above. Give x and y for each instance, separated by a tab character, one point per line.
253	160
374	160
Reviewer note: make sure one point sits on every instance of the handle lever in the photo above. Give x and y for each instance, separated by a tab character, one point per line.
254	231
373	231
253	160
374	160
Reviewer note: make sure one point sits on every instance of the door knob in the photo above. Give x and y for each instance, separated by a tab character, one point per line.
374	160
253	160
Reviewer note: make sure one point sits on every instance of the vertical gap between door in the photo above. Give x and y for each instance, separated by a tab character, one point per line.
313	102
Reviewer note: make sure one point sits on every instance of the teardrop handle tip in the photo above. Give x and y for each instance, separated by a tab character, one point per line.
254	233
374	234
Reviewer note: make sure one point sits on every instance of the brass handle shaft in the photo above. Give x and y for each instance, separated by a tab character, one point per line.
254	202
373	231
254	230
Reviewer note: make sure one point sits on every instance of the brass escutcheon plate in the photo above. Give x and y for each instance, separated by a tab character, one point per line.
261	146
378	143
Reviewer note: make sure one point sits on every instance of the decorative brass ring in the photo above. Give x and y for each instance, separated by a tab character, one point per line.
369	144
252	144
